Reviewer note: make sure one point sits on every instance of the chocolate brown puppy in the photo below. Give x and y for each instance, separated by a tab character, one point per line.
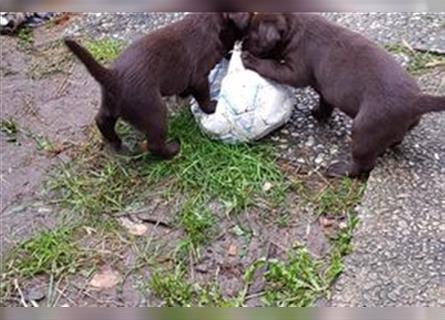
349	72
174	60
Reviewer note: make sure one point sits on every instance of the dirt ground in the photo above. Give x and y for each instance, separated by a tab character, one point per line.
137	257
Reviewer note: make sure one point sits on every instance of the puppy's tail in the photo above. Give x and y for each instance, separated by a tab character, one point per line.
102	75
428	103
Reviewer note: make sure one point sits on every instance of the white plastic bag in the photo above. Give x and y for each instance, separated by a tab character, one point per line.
249	106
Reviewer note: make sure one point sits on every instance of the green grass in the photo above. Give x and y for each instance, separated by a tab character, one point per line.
50	252
293	283
172	287
105	50
419	62
10	129
67	251
197	221
26	38
176	291
339	197
97	182
342	240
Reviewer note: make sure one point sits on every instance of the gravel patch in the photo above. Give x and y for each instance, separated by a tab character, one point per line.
426	30
123	26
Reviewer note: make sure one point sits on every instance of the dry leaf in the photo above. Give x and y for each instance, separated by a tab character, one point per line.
105	278
232	250
136	229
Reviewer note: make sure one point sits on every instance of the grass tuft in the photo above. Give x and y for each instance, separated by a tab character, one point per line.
419	62
172	288
26	38
105	50
197	221
52	252
10	129
175	291
293	283
339	197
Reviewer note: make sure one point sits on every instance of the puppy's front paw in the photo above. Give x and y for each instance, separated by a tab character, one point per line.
338	170
249	60
118	148
172	149
320	114
344	169
210	108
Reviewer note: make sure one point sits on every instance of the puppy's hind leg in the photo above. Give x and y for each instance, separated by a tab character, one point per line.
106	124
323	111
370	138
152	122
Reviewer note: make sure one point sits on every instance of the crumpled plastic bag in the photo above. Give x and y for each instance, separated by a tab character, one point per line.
249	106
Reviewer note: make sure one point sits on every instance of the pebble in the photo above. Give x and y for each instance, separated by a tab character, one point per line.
319	159
35	294
310	141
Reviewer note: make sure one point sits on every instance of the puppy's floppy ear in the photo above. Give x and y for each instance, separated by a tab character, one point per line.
240	19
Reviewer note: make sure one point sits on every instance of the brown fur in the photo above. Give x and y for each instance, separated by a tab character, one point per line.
349	72
174	60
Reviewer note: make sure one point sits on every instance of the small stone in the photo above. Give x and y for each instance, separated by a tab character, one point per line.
319	159
43	210
343	225
136	229
267	186
310	142
301	161
202	268
35	294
